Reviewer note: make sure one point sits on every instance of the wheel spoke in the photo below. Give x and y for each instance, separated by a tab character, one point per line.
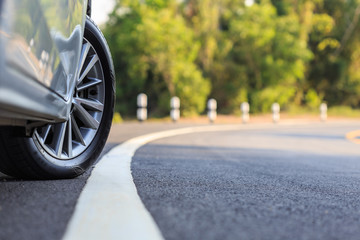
69	138
45	133
90	104
92	82
85	117
76	131
59	136
84	52
90	65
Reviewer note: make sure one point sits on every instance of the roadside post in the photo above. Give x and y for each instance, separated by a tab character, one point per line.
323	112
175	108
212	106
275	107
245	108
142	102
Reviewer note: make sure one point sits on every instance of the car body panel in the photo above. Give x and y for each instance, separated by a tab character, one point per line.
42	42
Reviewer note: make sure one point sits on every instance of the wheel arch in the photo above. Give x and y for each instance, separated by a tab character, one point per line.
88	8
93	28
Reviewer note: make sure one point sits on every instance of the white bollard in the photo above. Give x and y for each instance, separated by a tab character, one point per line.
245	108
175	114
275	107
142	107
212	106
142	100
212	116
323	112
175	102
175	108
141	114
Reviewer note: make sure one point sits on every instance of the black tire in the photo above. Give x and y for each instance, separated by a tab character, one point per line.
24	157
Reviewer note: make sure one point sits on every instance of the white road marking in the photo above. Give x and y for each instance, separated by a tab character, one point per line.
109	206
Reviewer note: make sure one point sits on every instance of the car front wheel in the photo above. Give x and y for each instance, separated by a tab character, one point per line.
68	149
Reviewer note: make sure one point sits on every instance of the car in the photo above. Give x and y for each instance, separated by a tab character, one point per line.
56	88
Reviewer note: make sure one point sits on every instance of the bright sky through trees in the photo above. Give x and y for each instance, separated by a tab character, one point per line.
249	3
101	9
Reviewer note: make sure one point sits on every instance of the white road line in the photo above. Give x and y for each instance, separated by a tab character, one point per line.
109	206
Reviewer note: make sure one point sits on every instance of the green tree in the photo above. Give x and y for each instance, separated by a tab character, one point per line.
334	39
155	52
289	51
272	51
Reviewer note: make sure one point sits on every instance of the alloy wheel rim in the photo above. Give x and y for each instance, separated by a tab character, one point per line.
71	138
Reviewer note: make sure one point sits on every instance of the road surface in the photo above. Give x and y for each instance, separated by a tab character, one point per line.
262	181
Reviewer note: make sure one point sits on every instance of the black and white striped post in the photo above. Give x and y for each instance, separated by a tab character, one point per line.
142	102
212	106
245	109
275	107
175	108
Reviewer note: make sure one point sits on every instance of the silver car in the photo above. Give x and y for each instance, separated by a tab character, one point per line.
56	88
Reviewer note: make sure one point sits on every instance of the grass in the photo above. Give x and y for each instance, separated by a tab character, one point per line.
117	118
344	111
292	112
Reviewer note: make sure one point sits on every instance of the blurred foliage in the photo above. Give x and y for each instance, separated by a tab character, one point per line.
313	100
294	52
344	111
263	99
117	118
154	52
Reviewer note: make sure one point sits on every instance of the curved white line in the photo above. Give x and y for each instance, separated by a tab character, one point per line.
109	206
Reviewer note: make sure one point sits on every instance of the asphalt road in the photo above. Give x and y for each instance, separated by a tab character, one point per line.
42	209
282	183
273	182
